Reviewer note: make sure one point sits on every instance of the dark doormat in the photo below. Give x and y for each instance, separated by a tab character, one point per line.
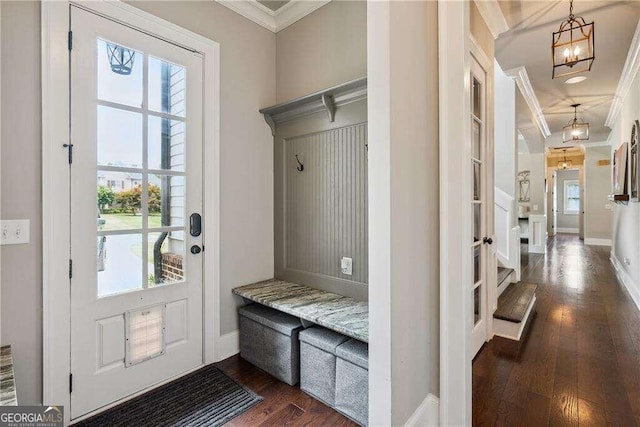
206	397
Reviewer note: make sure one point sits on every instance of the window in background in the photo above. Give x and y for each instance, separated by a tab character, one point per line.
571	197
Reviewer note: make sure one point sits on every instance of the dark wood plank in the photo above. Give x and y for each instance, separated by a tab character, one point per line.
591	414
514	301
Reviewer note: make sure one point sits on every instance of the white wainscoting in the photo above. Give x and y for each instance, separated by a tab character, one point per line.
507	236
626	279
537	234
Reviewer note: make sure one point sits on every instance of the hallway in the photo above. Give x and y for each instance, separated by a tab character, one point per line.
580	363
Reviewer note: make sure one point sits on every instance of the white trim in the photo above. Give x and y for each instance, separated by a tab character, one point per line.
631	66
55	119
277	20
427	414
526	89
513	330
228	345
455	227
597	242
625	279
493	17
571	230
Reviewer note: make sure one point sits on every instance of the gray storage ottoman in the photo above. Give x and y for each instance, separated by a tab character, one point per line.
352	380
269	340
318	363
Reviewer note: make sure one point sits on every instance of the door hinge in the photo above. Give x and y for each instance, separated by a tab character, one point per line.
70	40
70	148
70	382
70	269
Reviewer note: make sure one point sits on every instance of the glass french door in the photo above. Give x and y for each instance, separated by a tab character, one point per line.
479	205
136	180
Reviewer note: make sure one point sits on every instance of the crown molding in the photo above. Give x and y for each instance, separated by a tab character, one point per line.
524	84
273	21
493	16
629	72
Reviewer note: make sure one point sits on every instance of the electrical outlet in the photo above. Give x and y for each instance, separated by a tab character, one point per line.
535	208
346	264
14	232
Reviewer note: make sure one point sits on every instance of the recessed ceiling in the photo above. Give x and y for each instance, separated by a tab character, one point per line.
273	4
528	44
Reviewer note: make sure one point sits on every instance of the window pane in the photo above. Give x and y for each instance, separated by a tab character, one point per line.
477	222
119	74
119	198
166	254
476	139
119	263
166	200
166	144
166	87
476	264
119	137
476	180
476	305
476	100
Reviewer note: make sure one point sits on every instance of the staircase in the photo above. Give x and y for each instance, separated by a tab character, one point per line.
516	302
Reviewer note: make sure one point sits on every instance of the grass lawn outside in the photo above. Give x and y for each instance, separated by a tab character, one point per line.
122	221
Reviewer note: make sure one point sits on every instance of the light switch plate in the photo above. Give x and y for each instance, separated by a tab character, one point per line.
346	264
14	232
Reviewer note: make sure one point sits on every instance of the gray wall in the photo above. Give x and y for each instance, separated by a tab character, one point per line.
626	218
246	176
597	186
565	221
321	212
534	162
20	195
325	48
505	133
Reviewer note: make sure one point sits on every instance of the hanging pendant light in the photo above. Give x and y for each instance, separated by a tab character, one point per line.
120	59
564	163
573	46
577	129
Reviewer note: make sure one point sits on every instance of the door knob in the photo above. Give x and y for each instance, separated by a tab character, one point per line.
195	249
487	240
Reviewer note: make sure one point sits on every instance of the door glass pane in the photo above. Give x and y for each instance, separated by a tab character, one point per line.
166	254
476	180
166	200
166	144
166	87
476	305
119	138
476	264
119	259
477	222
476	98
475	129
119	198
119	74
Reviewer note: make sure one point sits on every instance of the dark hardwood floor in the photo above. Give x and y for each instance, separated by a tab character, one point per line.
580	362
282	405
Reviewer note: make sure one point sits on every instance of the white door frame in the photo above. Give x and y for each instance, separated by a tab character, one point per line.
55	191
455	213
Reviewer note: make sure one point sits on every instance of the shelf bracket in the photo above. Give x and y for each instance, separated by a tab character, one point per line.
329	104
272	124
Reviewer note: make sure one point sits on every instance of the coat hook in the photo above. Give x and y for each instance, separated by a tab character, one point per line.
301	166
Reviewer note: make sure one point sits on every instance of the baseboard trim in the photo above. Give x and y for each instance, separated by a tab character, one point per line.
228	345
597	242
427	414
625	279
567	230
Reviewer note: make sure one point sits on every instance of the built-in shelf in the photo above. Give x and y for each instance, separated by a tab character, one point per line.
325	100
619	198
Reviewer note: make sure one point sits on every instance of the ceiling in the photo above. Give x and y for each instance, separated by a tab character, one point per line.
528	44
273	4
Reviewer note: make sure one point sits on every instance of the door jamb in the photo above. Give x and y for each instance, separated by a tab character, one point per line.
55	224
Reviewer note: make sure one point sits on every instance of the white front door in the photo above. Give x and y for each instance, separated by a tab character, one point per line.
481	240
136	191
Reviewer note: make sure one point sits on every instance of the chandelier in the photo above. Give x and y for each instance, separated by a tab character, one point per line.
564	163
576	129
572	49
120	59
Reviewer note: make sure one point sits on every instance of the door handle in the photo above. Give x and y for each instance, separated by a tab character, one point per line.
195	249
195	224
487	240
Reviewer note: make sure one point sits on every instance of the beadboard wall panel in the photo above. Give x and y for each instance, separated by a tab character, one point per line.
321	212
